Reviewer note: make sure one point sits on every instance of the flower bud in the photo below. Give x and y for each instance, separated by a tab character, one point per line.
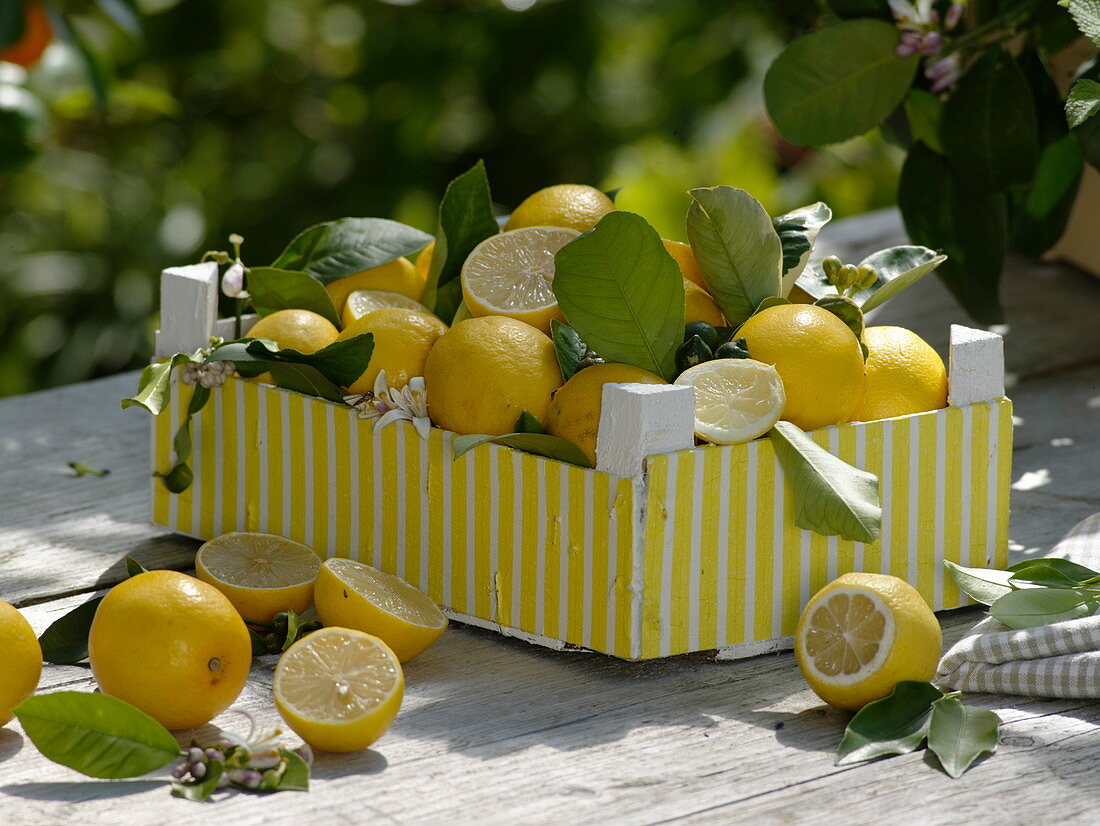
233	281
904	50
846	277
215	754
223	781
831	266
305	752
179	771
265	760
249	778
931	44
195	755
866	277
953	16
198	770
190	374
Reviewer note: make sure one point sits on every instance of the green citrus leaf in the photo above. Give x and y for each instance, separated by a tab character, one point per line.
847	311
569	347
133	567
959	734
529	423
797	231
923	112
896	724
66	640
1083	101
202	790
898	269
830	496
1078	573
1042	211
296	776
335	249
1032	607
981	584
96	734
541	444
1046	576
737	248
275	289
622	292
1086	14
837	82
155	385
341	362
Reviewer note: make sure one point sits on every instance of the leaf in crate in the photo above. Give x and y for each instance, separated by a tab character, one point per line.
1078	573
335	249
96	734
989	130
465	220
1042	211
1086	14
179	477
66	640
341	362
569	347
847	311
837	82
623	294
981	584
302	378
737	248
969	227
528	422
896	724
797	231
898	268
1032	607
1083	101
830	496
12	23
124	13
1046	576
155	385
924	111
274	289
541	444
959	734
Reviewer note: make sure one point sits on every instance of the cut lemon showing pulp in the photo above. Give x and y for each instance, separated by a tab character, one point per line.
735	399
361	302
354	595
339	689
262	574
863	633
511	274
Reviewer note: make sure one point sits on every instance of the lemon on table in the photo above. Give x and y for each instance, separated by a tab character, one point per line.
262	574
484	372
361	302
20	660
699	306
816	355
904	376
736	400
171	645
511	274
576	206
863	633
575	410
398	276
684	257
354	595
402	340
339	689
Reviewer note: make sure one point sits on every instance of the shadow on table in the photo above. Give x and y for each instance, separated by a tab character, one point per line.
80	790
11	743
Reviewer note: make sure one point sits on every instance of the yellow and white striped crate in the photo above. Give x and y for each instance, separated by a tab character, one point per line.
697	550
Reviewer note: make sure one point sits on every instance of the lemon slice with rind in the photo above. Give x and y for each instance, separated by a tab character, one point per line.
511	274
262	574
354	595
339	689
361	302
735	399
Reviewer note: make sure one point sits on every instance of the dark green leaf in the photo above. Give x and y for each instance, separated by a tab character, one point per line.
924	111
203	789
296	776
981	584
336	249
737	248
275	289
989	130
692	352
1078	573
1083	101
896	724
970	228
847	311
84	469
797	231
178	478
541	444
1088	132
622	292
66	640
155	385
259	646
293	626
829	496
302	378
1042	210
133	567
837	82
1032	607
898	269
959	734
341	362
613	193
569	347
1046	576
12	23
96	734
1086	14
529	423
123	12
465	220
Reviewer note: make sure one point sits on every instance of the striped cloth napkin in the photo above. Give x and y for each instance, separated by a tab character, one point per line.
1057	660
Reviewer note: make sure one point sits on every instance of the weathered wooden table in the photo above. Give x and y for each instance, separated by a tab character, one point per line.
496	731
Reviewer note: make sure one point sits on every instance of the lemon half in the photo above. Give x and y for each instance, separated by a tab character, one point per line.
735	399
361	302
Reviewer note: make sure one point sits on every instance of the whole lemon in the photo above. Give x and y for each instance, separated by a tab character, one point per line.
171	645
863	633
575	411
816	355
576	206
402	340
21	656
904	376
398	276
424	260
699	306
301	330
683	255
484	372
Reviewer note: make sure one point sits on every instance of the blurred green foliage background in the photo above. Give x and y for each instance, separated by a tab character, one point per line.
264	116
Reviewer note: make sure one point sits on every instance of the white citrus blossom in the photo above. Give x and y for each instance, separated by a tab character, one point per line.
392	404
